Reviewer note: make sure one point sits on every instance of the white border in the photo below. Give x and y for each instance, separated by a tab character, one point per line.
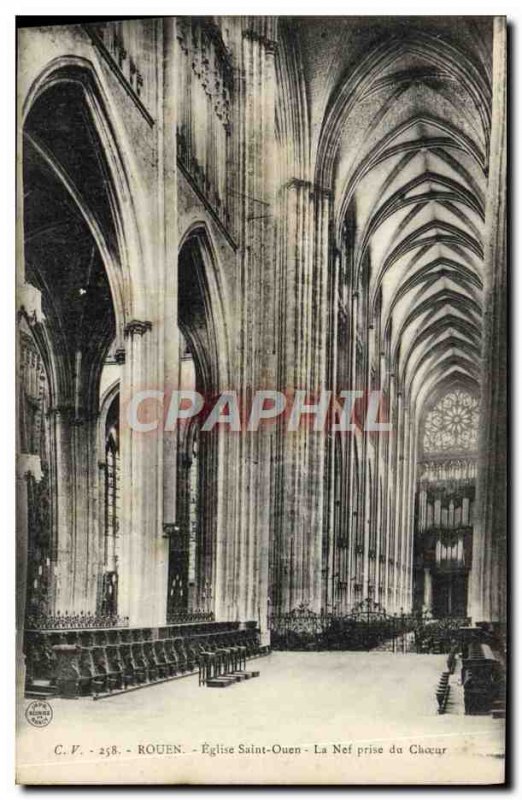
7	219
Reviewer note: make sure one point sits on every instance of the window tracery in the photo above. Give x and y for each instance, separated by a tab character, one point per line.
452	424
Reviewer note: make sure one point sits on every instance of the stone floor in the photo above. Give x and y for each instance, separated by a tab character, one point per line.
313	717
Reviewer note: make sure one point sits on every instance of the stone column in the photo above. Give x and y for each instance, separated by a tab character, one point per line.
355	503
388	481
144	551
63	506
29	300
168	247
380	481
303	366
488	579
428	590
86	560
27	465
150	338
398	461
333	556
73	489
242	555
408	505
75	502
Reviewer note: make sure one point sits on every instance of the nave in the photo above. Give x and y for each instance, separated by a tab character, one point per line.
244	204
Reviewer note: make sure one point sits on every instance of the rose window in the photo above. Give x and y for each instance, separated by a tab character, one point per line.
452	423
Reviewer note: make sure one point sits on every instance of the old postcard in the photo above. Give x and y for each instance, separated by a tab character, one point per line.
261	372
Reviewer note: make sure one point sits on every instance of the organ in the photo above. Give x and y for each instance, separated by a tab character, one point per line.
445	504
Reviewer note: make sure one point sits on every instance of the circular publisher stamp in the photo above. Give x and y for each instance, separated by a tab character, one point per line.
39	713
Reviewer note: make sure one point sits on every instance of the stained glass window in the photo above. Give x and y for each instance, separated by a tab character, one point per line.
452	424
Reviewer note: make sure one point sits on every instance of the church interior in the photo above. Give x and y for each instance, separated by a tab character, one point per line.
263	203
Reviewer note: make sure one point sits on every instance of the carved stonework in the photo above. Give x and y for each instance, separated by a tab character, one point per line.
67	670
170	530
62	411
30	303
137	327
34	395
40	564
118	46
315	189
254	36
33	465
204	120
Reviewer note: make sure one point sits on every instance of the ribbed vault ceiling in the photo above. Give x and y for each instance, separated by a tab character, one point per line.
399	115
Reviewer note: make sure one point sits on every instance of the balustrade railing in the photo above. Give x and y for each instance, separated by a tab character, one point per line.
181	617
83	619
78	621
366	627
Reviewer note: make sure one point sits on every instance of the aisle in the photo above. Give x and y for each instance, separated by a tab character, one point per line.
314	703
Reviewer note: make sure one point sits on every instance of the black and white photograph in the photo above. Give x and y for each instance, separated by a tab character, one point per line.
262	400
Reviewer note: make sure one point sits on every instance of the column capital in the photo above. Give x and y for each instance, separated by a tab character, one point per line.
313	188
137	326
66	411
63	410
